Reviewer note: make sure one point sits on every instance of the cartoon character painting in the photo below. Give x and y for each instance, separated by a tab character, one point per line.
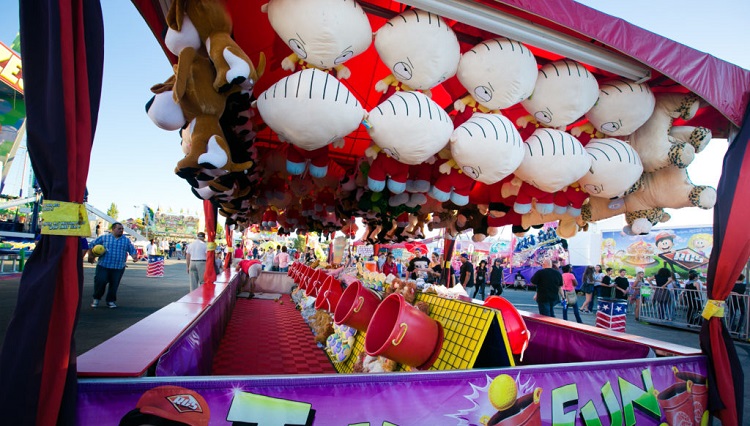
701	243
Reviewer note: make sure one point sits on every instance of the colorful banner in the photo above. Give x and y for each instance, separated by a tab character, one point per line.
679	249
12	117
643	392
173	225
10	68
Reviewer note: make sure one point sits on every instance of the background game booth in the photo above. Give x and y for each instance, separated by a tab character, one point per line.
485	384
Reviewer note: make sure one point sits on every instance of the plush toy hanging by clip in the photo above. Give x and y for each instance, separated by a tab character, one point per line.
498	74
322	34
546	150
310	109
563	92
193	23
419	49
408	128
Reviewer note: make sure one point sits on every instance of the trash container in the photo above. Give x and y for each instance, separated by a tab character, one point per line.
155	266
611	314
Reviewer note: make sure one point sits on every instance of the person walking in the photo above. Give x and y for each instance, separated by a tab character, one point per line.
466	271
178	250
661	294
588	289
480	279
418	265
693	291
496	277
549	290
571	298
622	284
195	255
111	265
635	296
275	266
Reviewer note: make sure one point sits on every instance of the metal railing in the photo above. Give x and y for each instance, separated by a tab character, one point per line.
682	308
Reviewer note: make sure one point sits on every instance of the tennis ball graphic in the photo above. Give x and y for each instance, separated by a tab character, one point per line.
503	392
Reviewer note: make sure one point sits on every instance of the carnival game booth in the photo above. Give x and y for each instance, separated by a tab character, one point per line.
396	125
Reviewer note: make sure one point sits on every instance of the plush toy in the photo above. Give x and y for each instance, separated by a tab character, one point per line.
194	94
546	150
661	145
321	109
615	168
192	23
498	74
323	34
452	183
623	106
487	147
371	364
563	92
322	325
570	200
419	49
269	219
408	128
668	187
406	288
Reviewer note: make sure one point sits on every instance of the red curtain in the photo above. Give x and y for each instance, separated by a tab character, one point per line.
730	254
229	252
63	54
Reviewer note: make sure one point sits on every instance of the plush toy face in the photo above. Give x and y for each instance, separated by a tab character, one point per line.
552	150
564	91
324	33
409	127
487	147
310	109
419	48
615	167
622	108
498	73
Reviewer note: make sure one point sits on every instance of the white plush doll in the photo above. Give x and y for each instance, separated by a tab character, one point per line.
615	168
661	145
322	33
419	49
487	147
498	74
623	106
552	160
310	109
563	92
408	128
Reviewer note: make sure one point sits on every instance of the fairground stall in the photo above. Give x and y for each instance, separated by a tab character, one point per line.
470	114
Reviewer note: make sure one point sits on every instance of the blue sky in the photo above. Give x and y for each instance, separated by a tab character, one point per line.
132	161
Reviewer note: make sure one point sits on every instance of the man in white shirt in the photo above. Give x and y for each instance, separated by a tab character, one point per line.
195	256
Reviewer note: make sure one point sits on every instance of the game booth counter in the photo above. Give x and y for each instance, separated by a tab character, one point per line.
241	168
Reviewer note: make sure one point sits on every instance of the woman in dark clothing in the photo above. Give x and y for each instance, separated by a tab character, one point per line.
496	277
480	278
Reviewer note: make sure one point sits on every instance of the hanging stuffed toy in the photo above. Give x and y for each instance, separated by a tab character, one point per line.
623	106
310	109
497	73
408	128
487	147
549	150
615	168
661	145
322	34
419	49
196	23
563	92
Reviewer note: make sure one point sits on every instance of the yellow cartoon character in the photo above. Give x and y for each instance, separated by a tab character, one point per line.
701	243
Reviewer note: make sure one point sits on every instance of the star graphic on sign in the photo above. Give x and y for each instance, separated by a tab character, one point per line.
618	308
603	307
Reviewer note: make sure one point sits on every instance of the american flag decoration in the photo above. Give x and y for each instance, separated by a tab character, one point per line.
155	266
611	314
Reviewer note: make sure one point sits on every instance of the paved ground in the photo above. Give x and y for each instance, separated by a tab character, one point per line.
140	296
